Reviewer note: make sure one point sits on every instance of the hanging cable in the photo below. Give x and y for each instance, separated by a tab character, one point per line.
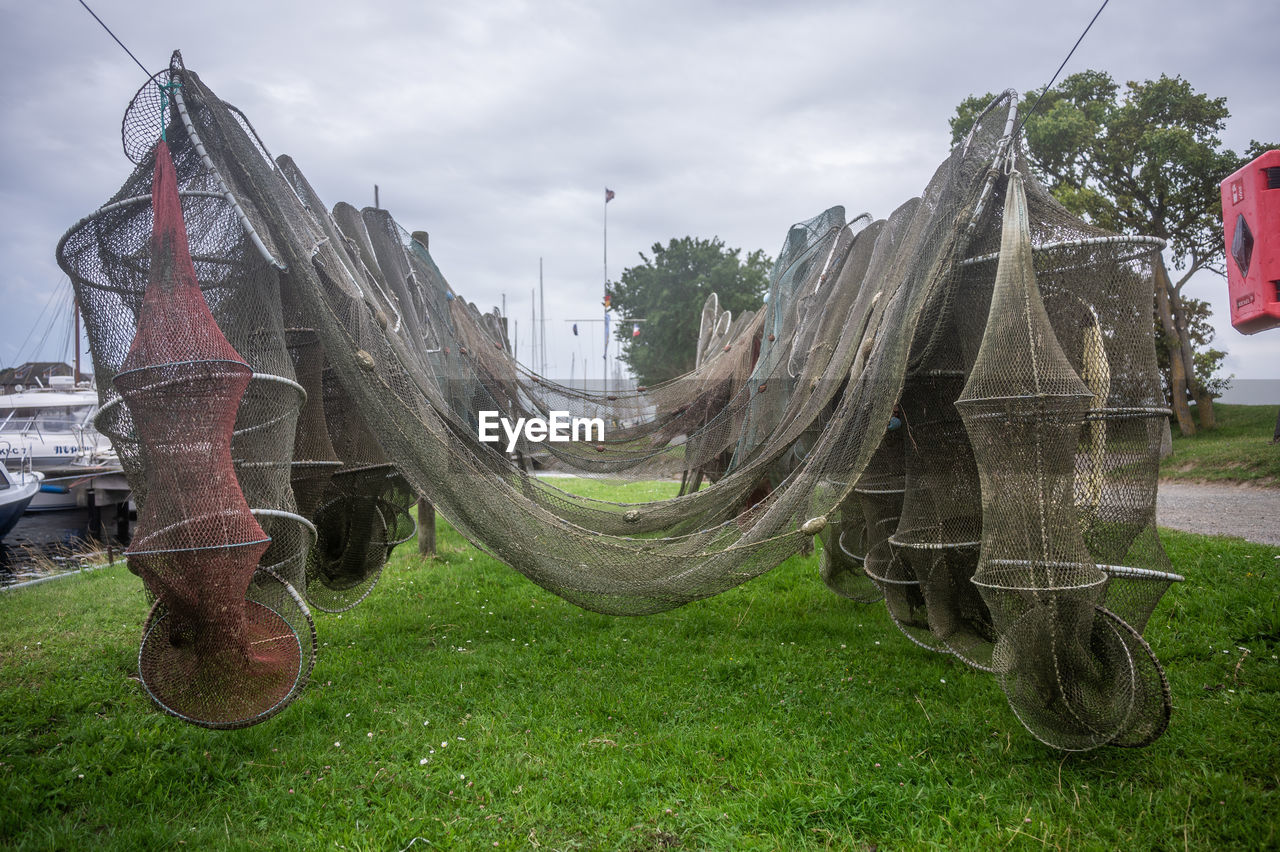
61	300
118	41
39	323
1054	78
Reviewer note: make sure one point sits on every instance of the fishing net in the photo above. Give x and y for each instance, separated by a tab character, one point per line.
1063	658
363	512
888	398
213	651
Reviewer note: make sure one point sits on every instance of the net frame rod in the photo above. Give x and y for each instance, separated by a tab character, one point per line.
1004	149
1120	239
126	202
830	266
117	401
302	523
1141	573
217	175
1010	95
860	559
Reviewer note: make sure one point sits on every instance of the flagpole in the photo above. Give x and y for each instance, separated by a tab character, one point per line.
605	294
542	329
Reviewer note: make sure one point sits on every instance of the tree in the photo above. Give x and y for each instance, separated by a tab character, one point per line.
1145	160
668	291
1207	359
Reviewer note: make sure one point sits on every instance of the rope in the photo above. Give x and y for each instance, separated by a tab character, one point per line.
166	89
118	41
1054	78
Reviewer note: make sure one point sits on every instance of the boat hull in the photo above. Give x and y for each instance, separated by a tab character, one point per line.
15	499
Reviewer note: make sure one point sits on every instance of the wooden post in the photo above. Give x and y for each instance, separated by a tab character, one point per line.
426	528
95	515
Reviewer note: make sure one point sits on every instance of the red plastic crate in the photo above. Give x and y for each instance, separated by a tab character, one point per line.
1251	226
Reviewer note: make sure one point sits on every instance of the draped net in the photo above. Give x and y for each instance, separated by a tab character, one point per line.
871	402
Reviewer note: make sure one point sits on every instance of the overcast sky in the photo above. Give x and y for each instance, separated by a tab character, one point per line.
497	126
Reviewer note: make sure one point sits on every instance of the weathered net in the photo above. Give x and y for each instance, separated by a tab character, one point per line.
362	514
832	411
1062	504
221	646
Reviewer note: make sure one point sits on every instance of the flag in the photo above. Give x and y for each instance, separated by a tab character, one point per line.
575	329
608	300
635	329
608	195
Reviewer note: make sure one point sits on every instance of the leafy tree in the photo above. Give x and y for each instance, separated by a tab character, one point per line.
668	291
1143	160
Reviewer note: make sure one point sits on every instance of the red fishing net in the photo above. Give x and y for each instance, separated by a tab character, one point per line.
209	654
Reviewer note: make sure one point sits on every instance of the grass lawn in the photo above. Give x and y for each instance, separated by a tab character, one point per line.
462	707
1238	450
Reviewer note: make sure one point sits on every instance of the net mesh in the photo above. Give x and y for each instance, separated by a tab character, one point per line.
879	400
1064	660
211	651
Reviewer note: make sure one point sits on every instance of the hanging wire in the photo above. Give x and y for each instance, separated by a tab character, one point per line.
62	300
1054	78
118	41
39	323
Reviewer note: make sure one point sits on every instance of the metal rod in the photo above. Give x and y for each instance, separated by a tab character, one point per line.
1003	146
208	163
1141	573
1136	239
288	516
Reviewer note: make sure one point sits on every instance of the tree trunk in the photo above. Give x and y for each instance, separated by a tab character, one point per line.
1177	370
1204	400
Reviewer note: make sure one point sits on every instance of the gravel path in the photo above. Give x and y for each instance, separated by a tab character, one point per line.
1235	510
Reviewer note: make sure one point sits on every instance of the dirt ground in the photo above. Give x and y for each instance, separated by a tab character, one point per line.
1235	510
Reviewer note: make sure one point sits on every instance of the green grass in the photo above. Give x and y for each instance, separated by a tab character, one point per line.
605	489
1239	449
775	716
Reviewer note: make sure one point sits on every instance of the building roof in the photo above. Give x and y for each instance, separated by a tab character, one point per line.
32	374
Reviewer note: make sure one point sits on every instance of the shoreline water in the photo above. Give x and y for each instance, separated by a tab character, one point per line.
49	544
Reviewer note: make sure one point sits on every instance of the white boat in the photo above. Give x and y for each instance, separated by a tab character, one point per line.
17	488
50	430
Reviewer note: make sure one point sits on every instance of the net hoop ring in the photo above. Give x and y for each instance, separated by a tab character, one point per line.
331	599
283	610
1152	705
1071	732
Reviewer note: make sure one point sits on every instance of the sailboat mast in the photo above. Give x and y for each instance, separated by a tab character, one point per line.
76	376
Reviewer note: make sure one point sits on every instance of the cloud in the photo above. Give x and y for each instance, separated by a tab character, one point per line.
496	128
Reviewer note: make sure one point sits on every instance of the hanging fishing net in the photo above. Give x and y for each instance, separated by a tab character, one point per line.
960	400
226	644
